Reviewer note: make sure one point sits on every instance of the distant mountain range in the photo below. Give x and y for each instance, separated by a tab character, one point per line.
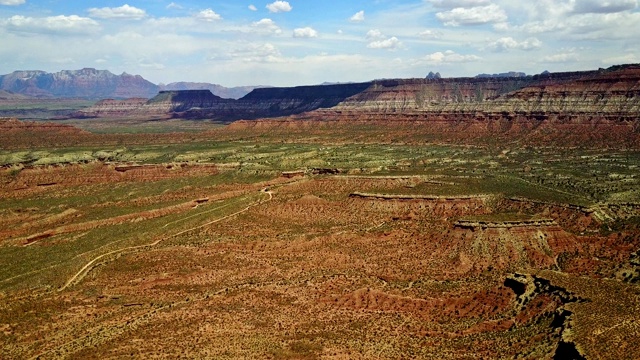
90	83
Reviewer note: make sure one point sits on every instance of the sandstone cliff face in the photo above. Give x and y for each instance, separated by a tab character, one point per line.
594	92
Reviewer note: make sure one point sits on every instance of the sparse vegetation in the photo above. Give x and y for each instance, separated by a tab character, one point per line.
200	248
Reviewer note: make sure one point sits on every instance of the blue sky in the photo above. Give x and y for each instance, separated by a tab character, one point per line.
296	42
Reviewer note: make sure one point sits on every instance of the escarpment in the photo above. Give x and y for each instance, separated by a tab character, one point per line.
598	107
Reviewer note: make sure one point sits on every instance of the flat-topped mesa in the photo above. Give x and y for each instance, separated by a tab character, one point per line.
276	102
176	101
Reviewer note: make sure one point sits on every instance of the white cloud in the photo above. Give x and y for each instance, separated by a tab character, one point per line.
431	34
123	12
375	34
391	43
208	15
622	25
305	32
452	4
267	25
566	57
12	2
449	56
73	24
473	16
253	7
358	17
279	6
604	7
255	53
174	6
509	43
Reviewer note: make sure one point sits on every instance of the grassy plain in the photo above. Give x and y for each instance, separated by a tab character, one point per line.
202	249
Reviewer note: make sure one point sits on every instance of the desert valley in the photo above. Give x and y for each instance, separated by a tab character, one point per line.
444	218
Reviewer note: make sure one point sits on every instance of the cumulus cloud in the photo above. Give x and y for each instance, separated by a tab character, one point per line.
174	6
279	6
472	16
267	26
509	43
391	43
253	7
622	25
12	2
604	7
123	12
449	57
452	4
375	34
73	25
357	17
305	32
208	15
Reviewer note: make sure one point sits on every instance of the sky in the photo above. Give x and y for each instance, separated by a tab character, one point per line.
301	42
